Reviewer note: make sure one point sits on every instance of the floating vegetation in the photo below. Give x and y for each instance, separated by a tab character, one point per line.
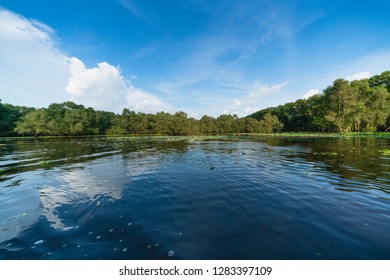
324	154
45	163
286	151
385	152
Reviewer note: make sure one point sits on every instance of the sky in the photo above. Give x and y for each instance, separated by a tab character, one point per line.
203	57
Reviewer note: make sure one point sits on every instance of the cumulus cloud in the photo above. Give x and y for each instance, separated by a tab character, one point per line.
310	93
358	76
35	72
104	88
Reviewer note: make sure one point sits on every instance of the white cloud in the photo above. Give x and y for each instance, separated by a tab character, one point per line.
35	72
102	87
310	93
265	90
237	103
358	76
248	104
142	101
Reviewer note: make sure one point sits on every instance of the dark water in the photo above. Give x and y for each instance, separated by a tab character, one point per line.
152	198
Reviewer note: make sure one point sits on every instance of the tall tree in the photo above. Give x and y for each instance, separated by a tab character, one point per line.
340	101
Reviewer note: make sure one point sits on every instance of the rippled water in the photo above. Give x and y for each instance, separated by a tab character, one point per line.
161	198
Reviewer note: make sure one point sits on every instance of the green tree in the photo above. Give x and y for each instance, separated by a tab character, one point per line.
250	125
378	108
270	123
382	79
34	123
207	125
225	123
340	103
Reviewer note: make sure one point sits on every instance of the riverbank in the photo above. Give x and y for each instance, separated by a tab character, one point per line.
383	135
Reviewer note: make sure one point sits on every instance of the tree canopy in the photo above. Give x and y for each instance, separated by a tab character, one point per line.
361	106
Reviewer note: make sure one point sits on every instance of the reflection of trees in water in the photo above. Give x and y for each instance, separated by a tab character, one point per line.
355	159
50	153
358	159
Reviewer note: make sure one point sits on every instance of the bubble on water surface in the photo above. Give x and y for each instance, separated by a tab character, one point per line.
111	230
39	242
124	250
171	254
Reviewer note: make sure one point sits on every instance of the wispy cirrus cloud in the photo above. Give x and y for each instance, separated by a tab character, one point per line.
221	61
255	99
266	89
131	7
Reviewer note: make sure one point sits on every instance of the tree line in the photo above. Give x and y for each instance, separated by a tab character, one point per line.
362	105
70	119
357	106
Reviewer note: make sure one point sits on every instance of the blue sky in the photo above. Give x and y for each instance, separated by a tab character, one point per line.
199	56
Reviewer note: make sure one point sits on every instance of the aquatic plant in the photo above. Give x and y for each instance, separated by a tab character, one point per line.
385	152
45	163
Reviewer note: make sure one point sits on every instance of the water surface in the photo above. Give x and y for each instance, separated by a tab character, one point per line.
140	198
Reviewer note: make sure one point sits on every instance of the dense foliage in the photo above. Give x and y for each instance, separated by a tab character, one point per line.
70	119
345	106
361	106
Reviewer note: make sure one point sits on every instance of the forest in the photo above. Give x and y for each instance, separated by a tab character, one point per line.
357	106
